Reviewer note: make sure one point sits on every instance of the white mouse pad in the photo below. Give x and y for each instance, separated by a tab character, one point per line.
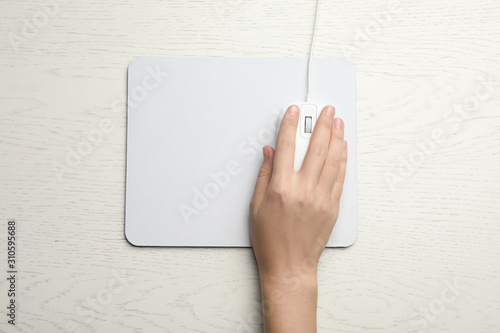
196	127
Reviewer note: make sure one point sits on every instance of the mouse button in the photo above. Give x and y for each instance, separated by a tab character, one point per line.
308	110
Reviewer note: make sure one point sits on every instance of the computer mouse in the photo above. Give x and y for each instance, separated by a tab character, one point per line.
308	114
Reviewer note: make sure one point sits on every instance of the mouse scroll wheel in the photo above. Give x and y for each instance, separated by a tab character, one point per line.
308	125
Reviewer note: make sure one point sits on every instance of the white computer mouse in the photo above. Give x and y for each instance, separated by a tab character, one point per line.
309	113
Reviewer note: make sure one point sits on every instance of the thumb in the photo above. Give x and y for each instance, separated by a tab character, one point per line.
264	178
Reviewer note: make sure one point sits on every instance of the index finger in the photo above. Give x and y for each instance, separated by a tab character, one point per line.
285	144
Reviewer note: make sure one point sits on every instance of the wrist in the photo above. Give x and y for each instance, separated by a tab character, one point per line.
289	280
289	302
278	289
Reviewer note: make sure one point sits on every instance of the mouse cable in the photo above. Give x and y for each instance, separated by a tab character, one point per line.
311	52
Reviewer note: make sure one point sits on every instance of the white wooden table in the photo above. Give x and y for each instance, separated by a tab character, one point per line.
428	252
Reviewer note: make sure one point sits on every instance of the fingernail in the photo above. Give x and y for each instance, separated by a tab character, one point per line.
330	111
266	153
339	124
293	110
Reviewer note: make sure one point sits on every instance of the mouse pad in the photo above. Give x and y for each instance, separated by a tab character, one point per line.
195	131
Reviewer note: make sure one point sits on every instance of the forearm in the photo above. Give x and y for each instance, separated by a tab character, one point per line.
289	303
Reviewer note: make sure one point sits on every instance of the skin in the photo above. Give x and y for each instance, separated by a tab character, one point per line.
292	215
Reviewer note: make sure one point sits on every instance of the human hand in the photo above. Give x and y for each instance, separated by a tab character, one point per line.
292	215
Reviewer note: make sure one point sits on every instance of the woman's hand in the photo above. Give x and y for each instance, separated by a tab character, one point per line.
292	217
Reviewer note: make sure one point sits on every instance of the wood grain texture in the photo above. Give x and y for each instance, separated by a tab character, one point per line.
438	224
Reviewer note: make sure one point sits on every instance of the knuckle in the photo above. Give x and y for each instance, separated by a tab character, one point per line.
340	179
288	121
324	124
338	192
323	205
338	134
278	192
318	150
284	144
335	162
306	197
265	171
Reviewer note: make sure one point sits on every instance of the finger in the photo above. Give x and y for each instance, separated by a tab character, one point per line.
333	159
285	144
318	146
339	182
264	177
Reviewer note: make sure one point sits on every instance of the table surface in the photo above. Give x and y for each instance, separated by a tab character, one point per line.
427	256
